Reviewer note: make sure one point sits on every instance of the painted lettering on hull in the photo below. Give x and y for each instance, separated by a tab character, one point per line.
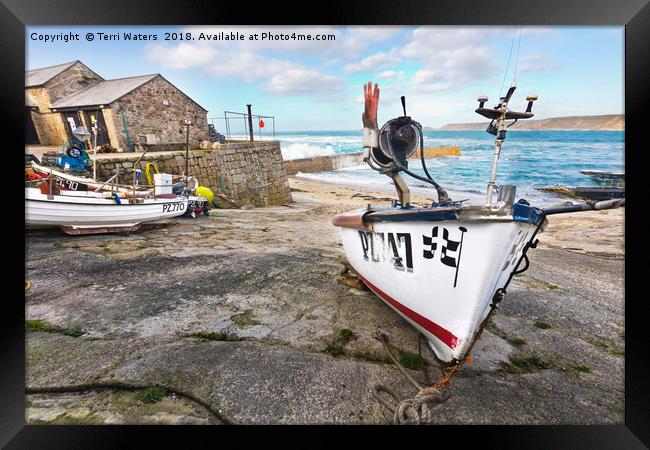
447	245
395	248
172	207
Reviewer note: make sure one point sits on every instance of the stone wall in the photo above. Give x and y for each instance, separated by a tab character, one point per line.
343	160
247	174
146	113
438	152
308	165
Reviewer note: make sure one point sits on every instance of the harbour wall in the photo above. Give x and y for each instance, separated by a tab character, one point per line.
243	174
343	160
240	174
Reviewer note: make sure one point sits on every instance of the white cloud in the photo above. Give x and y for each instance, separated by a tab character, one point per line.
452	55
181	56
278	76
535	62
429	75
387	74
372	62
358	39
247	65
428	43
447	58
303	81
539	31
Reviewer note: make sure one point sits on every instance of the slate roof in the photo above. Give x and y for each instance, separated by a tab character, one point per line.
38	77
103	92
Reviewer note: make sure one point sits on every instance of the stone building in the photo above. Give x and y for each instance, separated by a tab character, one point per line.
48	85
60	98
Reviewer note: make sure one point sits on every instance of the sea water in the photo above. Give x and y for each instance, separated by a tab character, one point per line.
529	160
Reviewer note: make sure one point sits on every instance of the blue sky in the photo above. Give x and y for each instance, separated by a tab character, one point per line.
317	85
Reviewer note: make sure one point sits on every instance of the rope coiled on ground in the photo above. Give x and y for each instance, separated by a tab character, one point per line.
410	411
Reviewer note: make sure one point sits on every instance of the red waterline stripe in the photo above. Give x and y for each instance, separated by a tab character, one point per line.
445	336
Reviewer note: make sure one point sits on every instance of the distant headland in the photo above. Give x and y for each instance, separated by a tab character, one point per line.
602	122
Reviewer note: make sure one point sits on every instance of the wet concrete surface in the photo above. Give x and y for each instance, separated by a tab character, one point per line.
553	353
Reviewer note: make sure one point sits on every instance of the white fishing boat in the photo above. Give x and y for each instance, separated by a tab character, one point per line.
444	268
85	214
74	185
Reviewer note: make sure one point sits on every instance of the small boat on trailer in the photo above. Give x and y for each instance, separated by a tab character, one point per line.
445	267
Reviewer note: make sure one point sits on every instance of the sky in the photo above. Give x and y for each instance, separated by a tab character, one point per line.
318	84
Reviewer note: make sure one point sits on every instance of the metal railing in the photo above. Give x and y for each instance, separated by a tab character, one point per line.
235	126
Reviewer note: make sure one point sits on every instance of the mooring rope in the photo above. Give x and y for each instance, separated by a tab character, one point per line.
416	410
59	389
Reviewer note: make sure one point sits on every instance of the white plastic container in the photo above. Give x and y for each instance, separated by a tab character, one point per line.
163	182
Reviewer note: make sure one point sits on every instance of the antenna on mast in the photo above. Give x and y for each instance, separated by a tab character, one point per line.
500	113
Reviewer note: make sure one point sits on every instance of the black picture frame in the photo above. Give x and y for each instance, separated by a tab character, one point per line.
633	14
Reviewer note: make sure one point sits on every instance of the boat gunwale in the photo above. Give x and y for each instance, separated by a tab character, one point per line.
519	212
95	201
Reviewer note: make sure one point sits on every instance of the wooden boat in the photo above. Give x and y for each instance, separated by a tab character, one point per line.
81	186
596	193
606	178
439	267
77	214
444	268
611	185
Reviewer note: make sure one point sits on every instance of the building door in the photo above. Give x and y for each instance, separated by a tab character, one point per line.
102	133
31	137
71	120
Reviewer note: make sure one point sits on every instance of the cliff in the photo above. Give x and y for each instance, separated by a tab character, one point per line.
603	122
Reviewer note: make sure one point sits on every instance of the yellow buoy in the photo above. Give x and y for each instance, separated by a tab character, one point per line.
203	191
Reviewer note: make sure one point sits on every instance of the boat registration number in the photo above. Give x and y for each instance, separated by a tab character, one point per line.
171	207
71	185
397	248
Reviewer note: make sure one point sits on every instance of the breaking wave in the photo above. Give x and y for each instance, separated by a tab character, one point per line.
303	150
530	159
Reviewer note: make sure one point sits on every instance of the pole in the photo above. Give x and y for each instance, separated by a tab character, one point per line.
187	148
250	122
493	175
95	151
50	193
501	135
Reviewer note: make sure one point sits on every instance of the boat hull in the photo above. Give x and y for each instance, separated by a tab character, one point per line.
440	276
87	213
